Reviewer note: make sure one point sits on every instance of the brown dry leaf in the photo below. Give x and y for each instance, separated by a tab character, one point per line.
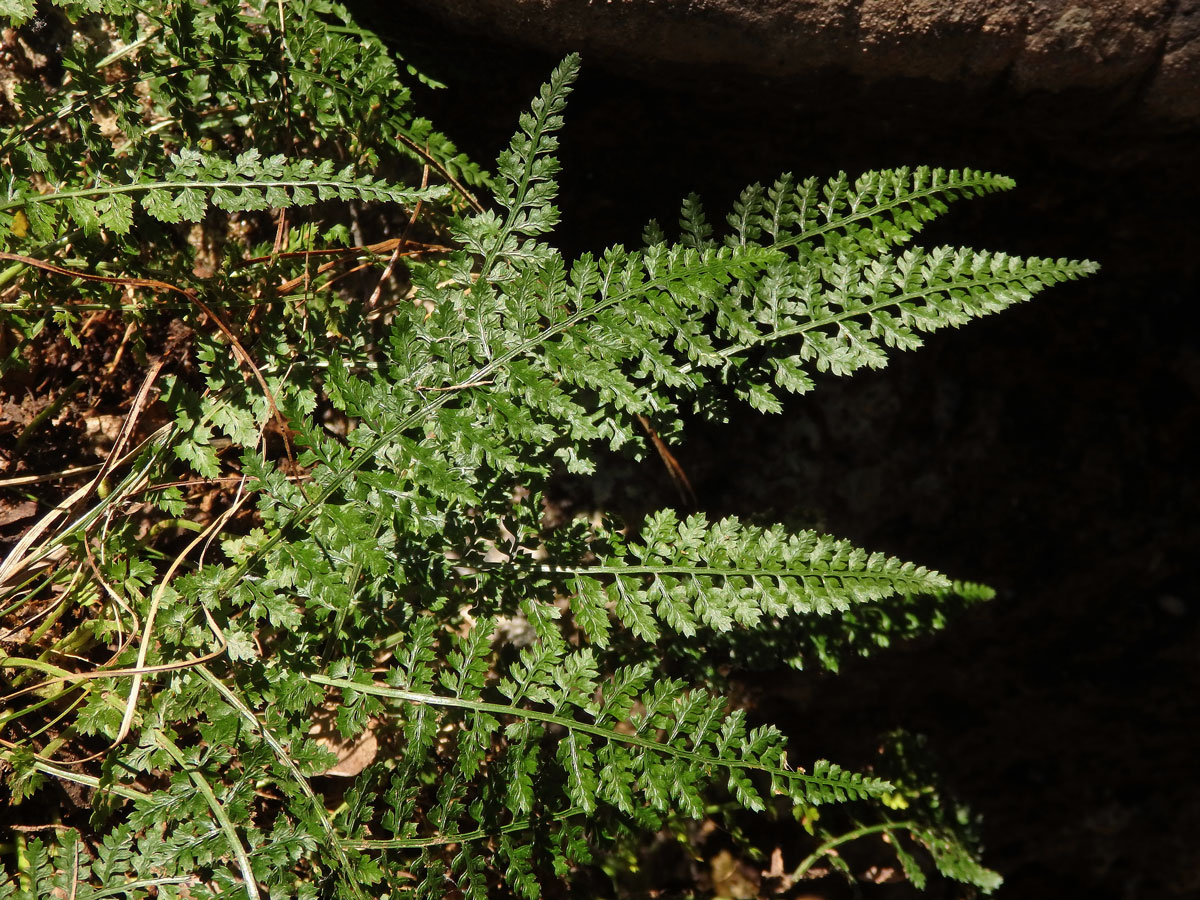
776	870
730	878
16	512
776	873
882	875
102	431
352	756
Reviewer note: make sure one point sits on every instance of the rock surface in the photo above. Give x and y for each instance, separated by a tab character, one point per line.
1125	56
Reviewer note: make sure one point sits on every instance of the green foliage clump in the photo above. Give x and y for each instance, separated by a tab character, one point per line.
375	570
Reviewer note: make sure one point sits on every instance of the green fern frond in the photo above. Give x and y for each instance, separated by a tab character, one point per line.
957	862
18	12
526	187
804	285
858	631
832	297
195	181
881	209
693	574
700	740
21	11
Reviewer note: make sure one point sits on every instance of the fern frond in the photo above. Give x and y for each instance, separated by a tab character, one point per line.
667	773
955	861
196	180
880	210
528	166
21	11
805	284
859	631
694	574
835	298
865	303
18	12
526	187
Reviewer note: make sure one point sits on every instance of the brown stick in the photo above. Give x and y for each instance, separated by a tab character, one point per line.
674	469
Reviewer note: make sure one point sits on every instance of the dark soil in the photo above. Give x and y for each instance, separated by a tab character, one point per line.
1049	452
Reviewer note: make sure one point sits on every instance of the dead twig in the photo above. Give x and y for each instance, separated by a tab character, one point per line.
243	356
674	469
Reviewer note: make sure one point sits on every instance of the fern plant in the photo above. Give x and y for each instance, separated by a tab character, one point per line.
377	556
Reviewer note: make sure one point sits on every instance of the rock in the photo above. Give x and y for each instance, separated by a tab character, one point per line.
1130	56
1174	92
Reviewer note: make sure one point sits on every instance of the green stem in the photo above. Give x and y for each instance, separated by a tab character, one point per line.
16	270
921	583
9	716
24	875
566	722
463	837
12	273
242	184
48	623
131	886
164	524
336	844
814	857
23	594
38	665
218	811
120	790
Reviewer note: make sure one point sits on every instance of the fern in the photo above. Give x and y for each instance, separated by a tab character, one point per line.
534	691
195	181
689	575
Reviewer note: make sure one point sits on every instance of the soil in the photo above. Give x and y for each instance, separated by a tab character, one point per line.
1050	452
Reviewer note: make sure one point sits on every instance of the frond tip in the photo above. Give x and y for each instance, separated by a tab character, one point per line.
694	574
833	288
